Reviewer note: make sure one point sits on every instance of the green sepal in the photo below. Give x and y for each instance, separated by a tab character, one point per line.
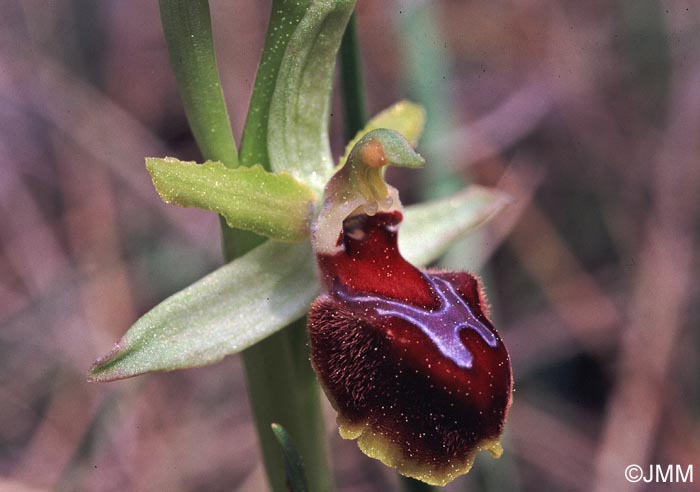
223	313
284	20
250	198
431	227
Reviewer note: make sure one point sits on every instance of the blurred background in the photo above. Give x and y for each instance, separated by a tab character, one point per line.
587	113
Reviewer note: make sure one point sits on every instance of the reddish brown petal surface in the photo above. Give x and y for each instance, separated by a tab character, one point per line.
408	358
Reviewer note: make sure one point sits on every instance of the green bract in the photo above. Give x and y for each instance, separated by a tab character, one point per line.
298	124
285	18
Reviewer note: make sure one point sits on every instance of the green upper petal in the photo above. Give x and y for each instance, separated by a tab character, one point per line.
250	198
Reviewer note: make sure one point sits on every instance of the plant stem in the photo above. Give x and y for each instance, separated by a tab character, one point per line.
282	386
351	74
187	30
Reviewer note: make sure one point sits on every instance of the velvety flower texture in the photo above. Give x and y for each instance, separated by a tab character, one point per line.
408	358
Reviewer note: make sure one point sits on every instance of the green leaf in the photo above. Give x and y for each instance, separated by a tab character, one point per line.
429	228
298	123
293	464
223	313
187	29
405	117
284	19
273	205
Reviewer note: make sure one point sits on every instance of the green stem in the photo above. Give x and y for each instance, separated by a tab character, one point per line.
281	383
351	74
187	30
282	388
188	35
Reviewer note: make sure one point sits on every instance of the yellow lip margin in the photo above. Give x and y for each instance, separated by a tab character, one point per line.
377	446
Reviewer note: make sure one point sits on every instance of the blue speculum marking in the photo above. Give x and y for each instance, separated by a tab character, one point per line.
442	326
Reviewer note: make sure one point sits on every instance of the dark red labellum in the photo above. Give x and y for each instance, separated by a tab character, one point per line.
408	358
